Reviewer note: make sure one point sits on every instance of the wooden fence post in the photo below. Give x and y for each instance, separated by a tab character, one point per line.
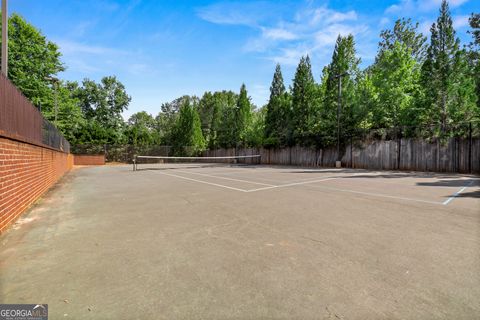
470	141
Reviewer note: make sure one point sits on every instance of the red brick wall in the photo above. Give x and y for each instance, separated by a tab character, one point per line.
89	160
26	172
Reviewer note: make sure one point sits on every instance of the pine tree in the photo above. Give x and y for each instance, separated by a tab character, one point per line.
302	99
474	53
345	65
243	115
277	115
444	77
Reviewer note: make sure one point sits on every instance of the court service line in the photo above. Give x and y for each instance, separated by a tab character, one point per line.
290	184
225	173
378	195
280	181
225	178
456	194
201	181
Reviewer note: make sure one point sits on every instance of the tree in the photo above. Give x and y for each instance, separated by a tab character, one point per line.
187	132
243	115
395	77
447	94
406	33
474	22
31	60
166	119
219	118
70	119
141	130
256	129
344	65
277	111
302	99
474	53
104	103
206	111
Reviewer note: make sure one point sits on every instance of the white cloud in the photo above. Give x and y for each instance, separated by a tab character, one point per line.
278	34
289	56
384	21
411	7
285	37
460	21
259	92
234	13
69	47
89	59
329	35
324	15
424	27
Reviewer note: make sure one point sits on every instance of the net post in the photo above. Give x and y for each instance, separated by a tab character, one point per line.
135	163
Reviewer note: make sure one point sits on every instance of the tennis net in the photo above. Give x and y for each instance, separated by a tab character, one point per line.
164	163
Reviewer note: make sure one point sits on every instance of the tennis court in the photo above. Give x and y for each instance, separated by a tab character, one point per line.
245	241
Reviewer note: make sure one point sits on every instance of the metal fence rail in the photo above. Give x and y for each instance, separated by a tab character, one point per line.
21	120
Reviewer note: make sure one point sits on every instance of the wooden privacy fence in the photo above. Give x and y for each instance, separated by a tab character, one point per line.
452	155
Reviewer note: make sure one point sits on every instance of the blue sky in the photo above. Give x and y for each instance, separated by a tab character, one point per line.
161	50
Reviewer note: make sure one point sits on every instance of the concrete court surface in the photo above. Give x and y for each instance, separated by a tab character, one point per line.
248	243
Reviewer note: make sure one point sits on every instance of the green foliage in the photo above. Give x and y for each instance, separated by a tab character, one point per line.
103	103
448	87
303	94
409	84
395	77
243	115
343	68
32	59
223	122
474	53
255	131
277	112
474	22
69	117
166	119
141	130
406	33
187	133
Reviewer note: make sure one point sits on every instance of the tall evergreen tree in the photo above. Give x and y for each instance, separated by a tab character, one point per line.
446	85
277	111
243	115
474	53
302	99
344	65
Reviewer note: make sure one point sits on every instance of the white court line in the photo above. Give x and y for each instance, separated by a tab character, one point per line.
290	184
378	195
317	186
225	178
200	181
457	193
